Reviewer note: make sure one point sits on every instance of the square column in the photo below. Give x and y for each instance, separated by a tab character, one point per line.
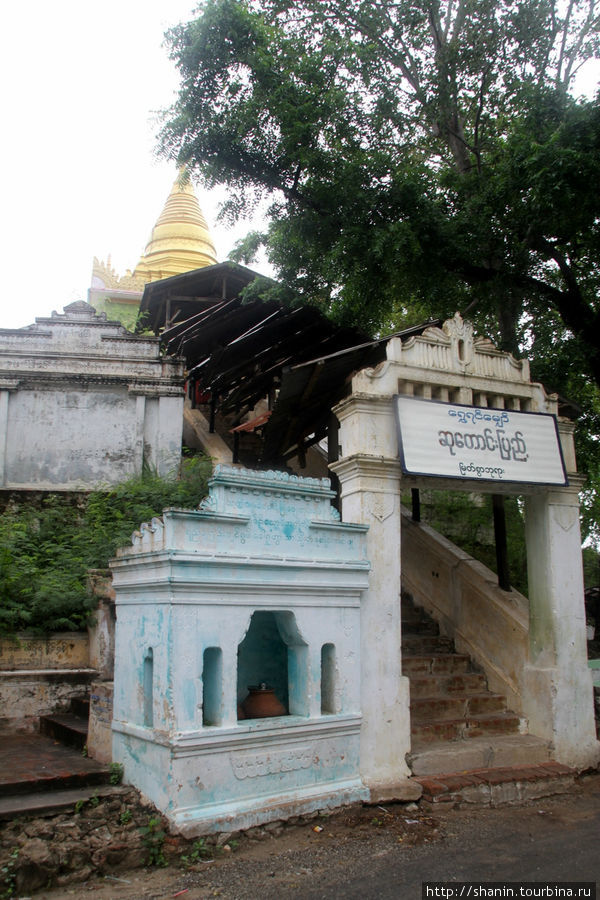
370	485
6	386
558	693
370	490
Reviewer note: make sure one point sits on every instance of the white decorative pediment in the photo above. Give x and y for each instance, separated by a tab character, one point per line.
452	364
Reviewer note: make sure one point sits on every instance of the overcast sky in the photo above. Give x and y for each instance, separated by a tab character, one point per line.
81	81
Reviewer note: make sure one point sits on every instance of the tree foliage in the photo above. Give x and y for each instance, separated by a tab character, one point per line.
420	157
47	547
467	520
427	150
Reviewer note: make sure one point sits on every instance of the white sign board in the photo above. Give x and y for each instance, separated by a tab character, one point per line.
450	440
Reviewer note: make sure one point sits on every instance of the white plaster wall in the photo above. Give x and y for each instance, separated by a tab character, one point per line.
70	438
83	403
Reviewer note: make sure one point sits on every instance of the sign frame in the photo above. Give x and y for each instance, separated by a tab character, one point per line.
495	416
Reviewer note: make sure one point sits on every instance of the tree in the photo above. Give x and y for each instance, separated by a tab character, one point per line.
425	149
422	155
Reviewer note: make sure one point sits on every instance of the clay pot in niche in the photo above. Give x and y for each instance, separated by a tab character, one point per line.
261	703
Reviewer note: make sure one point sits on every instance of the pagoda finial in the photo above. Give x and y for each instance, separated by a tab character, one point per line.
180	240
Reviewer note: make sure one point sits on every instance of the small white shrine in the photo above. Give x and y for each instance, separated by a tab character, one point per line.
261	586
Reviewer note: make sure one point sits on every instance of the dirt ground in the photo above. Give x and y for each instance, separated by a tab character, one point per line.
379	852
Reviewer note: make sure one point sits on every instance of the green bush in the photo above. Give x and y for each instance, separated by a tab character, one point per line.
591	566
46	547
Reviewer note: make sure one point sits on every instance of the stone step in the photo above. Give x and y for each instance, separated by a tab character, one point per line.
463	729
416	622
435	664
65	727
498	786
478	753
460	706
55	781
80	706
434	685
421	645
34	763
48	803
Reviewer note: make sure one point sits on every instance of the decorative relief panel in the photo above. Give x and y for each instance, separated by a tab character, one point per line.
271	762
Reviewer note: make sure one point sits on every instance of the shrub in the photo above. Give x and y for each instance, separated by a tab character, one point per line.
47	546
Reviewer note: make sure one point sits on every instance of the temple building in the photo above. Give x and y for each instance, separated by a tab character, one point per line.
180	242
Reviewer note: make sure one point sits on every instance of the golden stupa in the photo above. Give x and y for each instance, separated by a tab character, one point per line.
180	242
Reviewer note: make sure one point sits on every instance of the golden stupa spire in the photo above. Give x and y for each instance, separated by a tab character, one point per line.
180	240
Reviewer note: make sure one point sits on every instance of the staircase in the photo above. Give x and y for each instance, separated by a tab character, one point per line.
70	728
44	773
457	724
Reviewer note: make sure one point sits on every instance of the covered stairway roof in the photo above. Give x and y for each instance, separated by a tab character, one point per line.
175	299
241	352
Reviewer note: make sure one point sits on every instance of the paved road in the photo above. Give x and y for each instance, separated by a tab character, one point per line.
560	844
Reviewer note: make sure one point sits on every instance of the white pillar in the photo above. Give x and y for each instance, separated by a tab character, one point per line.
6	386
138	453
558	693
3	433
370	493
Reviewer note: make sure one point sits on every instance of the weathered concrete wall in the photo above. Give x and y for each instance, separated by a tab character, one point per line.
84	403
39	676
25	695
99	742
186	593
101	630
64	650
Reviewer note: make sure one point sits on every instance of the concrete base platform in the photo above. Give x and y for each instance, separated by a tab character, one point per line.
498	786
406	791
479	753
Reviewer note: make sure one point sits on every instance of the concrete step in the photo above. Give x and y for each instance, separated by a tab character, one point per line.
435	664
463	729
52	782
435	685
47	803
432	757
416	622
67	728
459	706
80	706
421	645
34	763
498	786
